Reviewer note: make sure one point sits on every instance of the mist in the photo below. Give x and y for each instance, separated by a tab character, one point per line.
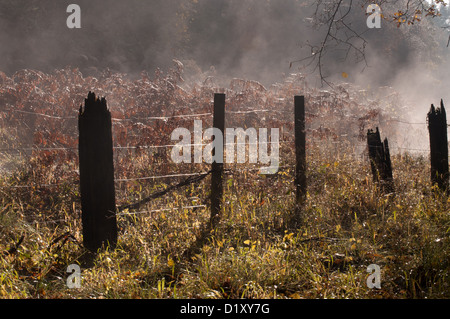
250	39
246	39
228	39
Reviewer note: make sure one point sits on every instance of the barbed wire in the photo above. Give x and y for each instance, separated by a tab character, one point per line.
45	115
164	118
154	146
229	171
167	145
192	177
143	147
249	111
190	180
114	119
391	147
19	149
60	220
206	114
405	122
34	186
152	117
160	210
120	180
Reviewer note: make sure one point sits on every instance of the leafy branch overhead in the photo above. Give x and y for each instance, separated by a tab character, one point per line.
345	32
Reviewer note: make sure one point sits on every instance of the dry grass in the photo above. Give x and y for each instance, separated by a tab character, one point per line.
254	252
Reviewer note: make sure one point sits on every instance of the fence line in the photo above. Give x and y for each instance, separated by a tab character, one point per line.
204	114
157	177
151	117
161	210
154	146
167	145
174	145
45	115
387	120
160	117
399	147
122	180
178	145
217	170
115	180
6	150
230	171
33	186
114	119
132	213
250	111
190	180
404	122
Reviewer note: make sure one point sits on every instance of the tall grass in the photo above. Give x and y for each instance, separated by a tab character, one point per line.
254	252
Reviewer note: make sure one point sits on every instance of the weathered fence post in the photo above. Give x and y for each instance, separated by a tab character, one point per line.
217	165
300	150
97	174
437	127
380	160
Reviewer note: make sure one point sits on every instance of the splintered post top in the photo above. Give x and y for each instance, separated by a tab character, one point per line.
377	132
437	111
93	103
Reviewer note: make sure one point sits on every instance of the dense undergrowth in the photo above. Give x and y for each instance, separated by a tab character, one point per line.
254	252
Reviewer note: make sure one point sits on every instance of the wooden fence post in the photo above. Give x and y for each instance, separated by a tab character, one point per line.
300	150
97	174
437	127
217	168
380	160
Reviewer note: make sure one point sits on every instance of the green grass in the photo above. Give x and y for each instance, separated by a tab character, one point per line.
254	252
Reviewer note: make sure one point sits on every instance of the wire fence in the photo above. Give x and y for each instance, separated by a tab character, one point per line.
164	118
192	177
203	115
160	210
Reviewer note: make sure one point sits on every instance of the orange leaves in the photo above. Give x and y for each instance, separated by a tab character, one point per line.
400	17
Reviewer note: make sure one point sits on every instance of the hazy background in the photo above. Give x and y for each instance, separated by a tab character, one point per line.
252	39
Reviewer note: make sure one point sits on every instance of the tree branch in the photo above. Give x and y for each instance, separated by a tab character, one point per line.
340	31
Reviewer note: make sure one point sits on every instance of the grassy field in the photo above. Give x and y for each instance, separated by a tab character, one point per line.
260	248
347	224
